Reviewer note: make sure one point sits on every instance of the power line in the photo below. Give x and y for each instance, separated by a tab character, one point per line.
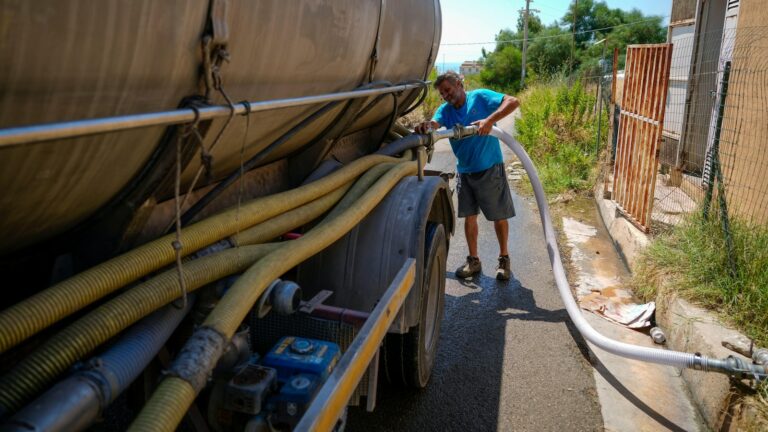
573	36
555	36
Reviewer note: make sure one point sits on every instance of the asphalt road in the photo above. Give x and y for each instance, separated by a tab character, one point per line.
508	358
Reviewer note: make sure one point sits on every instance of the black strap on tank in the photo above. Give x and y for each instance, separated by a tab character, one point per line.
215	42
375	52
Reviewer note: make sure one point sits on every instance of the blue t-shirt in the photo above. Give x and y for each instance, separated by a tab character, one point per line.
475	153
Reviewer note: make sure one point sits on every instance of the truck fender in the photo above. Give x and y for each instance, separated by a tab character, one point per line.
359	267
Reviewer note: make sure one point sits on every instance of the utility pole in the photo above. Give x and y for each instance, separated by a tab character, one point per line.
526	13
573	38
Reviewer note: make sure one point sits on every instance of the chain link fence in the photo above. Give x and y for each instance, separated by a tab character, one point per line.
713	149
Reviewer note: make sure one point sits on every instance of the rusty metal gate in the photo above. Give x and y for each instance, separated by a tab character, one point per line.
646	79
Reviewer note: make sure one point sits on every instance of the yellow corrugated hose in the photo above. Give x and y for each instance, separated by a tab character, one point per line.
41	367
169	403
49	306
281	224
276	226
358	189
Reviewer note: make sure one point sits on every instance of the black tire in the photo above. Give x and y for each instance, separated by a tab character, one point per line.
409	357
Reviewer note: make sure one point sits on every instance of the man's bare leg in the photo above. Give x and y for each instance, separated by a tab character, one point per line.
470	231
502	231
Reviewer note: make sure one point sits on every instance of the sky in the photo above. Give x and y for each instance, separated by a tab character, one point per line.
480	20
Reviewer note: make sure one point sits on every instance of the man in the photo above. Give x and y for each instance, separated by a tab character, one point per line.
482	183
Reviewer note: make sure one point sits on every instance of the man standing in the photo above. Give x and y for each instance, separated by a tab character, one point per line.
482	183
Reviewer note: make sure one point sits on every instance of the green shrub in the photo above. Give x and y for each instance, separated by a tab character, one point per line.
558	129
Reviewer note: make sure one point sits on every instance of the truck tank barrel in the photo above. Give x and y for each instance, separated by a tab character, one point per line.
125	67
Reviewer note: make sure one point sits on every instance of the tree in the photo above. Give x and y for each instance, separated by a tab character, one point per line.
502	69
634	29
507	37
549	47
584	20
604	17
594	20
548	53
639	29
534	24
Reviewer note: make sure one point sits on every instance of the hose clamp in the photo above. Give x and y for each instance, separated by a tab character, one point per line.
101	380
698	362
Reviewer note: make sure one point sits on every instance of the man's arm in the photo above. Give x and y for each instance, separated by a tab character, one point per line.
508	104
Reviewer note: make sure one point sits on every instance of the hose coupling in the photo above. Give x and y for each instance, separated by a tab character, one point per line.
460	132
760	356
101	379
737	367
284	297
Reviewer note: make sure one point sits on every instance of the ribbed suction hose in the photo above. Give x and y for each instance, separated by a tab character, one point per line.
77	402
39	311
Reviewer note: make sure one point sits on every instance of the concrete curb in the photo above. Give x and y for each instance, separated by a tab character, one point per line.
629	240
692	329
688	328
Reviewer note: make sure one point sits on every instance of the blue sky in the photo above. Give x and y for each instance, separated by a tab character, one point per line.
479	20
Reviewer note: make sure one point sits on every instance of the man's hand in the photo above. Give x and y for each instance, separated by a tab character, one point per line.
508	104
483	126
426	127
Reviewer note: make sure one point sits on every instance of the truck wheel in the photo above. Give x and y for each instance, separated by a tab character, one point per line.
410	357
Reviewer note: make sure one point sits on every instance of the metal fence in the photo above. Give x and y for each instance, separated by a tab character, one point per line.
640	125
714	145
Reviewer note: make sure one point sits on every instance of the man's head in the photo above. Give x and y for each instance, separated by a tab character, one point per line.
451	88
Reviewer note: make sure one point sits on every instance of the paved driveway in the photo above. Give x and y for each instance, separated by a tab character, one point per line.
507	357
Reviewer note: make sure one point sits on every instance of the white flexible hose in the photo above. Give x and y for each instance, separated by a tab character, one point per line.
653	355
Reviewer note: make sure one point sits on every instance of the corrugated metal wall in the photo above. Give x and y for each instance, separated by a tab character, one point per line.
683	10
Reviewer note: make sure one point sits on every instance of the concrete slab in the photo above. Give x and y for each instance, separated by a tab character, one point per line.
636	396
670	204
633	395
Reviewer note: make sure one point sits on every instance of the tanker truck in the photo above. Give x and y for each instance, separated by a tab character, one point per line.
211	214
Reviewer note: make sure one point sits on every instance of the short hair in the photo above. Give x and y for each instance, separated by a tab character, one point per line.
451	76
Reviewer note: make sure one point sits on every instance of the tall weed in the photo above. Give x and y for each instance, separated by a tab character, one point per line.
558	129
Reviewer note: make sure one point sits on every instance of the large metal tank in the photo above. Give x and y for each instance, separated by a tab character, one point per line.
63	60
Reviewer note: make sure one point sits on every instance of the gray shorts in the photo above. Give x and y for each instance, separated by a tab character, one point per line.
487	191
